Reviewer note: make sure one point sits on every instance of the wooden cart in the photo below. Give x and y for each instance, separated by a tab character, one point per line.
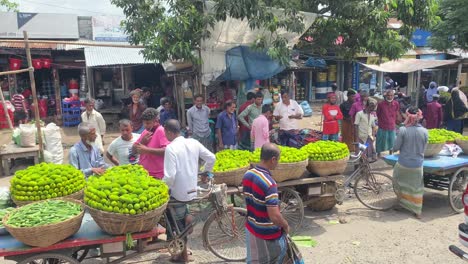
315	192
90	238
444	173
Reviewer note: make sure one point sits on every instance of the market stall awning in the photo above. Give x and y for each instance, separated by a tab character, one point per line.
107	56
230	33
409	65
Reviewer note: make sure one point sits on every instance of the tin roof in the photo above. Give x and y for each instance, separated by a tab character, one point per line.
106	56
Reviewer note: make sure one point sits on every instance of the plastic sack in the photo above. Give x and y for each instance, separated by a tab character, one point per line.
451	150
99	104
27	135
5	198
53	143
306	108
16	136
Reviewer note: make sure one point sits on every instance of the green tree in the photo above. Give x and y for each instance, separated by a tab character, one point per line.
452	31
173	30
8	5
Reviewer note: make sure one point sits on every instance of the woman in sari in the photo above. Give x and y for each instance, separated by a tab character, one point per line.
408	172
135	109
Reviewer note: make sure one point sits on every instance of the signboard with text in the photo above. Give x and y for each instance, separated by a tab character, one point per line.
38	25
108	28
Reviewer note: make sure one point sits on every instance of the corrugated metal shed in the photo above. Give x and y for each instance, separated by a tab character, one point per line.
106	56
409	65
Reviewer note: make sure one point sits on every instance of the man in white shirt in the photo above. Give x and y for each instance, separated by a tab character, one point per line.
181	169
287	112
95	118
118	151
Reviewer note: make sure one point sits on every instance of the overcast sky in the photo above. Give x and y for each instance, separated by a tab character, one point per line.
78	7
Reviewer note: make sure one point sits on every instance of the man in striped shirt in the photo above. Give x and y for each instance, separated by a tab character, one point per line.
266	227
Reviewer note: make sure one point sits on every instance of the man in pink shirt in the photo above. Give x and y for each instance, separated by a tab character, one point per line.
260	129
151	144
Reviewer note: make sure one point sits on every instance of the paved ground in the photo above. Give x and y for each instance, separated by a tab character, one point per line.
367	236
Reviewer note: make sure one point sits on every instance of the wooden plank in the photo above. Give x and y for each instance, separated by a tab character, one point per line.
302	181
17	71
14	149
33	90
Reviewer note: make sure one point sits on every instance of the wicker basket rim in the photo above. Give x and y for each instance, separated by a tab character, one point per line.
343	159
285	163
61	197
121	216
230	171
5	218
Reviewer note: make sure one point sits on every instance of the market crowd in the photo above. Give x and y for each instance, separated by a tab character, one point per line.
154	138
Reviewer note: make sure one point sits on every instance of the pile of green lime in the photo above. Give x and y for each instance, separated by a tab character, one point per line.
45	181
437	136
125	189
326	150
228	160
288	155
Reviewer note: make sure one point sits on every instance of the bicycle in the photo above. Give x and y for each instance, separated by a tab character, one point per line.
374	189
223	232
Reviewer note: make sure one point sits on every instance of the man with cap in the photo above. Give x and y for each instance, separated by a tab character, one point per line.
331	113
434	114
347	131
365	128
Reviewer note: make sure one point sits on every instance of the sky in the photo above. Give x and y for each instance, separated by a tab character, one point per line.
78	7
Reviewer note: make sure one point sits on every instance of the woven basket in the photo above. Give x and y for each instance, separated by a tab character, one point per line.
46	235
75	196
119	224
288	171
433	149
463	145
326	168
230	178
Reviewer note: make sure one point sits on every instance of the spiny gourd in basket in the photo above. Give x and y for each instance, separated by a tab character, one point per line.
438	136
327	157
230	166
229	160
326	150
292	163
126	189
45	181
288	155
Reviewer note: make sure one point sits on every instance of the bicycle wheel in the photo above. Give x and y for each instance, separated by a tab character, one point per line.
292	208
375	190
224	235
456	189
49	258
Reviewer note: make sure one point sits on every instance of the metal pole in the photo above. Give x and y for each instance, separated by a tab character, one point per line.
33	90
459	70
418	87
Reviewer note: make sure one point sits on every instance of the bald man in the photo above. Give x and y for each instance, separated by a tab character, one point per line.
266	227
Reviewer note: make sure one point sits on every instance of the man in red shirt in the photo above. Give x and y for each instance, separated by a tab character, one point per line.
244	132
387	113
331	113
434	116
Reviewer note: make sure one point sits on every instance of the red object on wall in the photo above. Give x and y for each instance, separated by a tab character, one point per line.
37	64
43	108
15	64
46	63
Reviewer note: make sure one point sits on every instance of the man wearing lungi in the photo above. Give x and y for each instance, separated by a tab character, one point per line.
266	228
387	113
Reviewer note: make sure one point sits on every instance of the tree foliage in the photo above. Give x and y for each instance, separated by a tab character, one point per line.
452	31
8	5
174	29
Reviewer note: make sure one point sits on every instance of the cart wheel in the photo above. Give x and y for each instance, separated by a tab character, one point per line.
80	254
176	246
49	258
457	187
292	208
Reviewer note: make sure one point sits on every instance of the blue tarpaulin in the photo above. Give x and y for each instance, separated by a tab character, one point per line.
242	64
